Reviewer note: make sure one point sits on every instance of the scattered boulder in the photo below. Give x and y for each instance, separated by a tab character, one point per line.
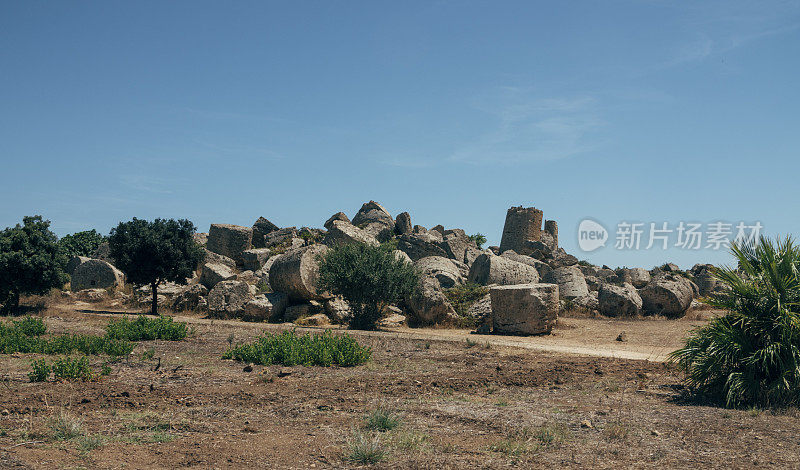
297	273
481	310
639	277
375	220
215	258
446	273
343	233
420	245
588	269
318	319
340	216
255	258
228	298
261	228
306	309
429	305
526	309
456	244
561	258
229	240
589	302
402	224
283	237
536	249
191	299
269	306
338	310
593	283
670	267
95	274
401	256
619	301
92	295
214	273
74	262
571	283
668	296
491	269
542	267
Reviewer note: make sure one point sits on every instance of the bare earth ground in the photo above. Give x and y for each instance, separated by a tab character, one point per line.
516	402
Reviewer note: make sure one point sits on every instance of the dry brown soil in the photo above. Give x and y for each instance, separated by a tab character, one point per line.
492	402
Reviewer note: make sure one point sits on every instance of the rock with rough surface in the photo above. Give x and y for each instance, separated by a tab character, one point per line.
429	305
214	273
542	267
255	258
96	274
74	262
402	224
192	299
639	277
296	273
667	296
524	309
229	240
571	283
269	306
446	273
340	216
492	269
228	298
261	228
344	233
619	301
420	245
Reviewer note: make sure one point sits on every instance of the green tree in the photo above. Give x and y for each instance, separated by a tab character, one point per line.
368	277
30	261
479	239
81	243
151	253
751	356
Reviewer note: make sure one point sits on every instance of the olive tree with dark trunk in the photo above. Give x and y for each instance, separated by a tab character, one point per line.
152	253
30	261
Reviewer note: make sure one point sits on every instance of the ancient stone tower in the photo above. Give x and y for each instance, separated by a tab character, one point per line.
551	227
522	224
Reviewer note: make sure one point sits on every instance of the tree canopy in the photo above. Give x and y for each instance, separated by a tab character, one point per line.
81	243
151	253
30	261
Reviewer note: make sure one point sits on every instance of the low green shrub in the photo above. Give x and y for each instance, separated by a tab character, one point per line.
145	328
68	368
40	371
289	349
382	419
14	340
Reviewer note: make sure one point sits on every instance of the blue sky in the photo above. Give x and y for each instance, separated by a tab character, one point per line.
648	111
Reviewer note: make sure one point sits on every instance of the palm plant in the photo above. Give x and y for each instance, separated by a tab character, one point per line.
751	355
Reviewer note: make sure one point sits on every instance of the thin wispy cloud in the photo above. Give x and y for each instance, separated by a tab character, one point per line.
528	129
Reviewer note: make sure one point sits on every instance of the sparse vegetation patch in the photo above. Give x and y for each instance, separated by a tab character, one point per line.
289	349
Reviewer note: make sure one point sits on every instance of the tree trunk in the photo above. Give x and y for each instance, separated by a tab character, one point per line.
154	306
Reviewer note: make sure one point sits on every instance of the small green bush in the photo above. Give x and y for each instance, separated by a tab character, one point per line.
479	239
289	349
145	329
365	449
40	372
30	326
26	336
368	277
72	369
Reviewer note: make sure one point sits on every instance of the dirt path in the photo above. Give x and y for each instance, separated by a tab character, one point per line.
646	339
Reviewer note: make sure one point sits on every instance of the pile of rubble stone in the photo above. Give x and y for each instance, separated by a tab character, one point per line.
271	273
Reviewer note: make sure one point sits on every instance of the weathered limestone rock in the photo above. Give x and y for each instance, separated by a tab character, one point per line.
551	229
593	283
442	269
267	306
456	244
375	220
228	298
214	273
229	240
340	216
588	302
191	299
537	249
95	274
255	258
491	269
561	258
282	237
92	295
524	309
588	269
401	256
542	267
522	224
671	267
261	228
402	223
639	277
571	283
295	312
343	233
619	301
215	258
439	229
666	296
338	310
297	273
429	305
319	319
481	310
74	262
419	245
200	238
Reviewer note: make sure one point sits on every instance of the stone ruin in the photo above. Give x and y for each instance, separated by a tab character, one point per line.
523	229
